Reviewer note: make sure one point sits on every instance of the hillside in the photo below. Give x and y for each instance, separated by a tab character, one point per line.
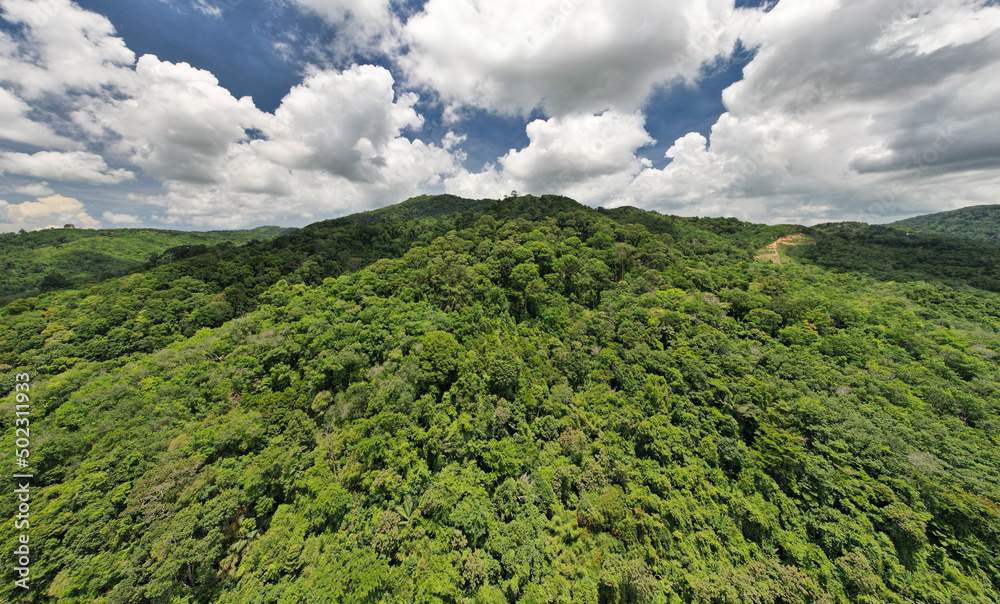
979	223
52	258
888	253
424	206
521	401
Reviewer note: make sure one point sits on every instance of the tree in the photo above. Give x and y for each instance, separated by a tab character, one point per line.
504	371
52	281
440	355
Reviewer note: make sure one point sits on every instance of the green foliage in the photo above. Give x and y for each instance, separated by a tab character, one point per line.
439	355
58	258
980	223
515	401
889	253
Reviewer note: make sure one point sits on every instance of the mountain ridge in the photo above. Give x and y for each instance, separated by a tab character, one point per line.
980	223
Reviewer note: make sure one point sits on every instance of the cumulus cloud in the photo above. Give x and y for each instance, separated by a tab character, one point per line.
247	197
410	168
54	58
16	126
588	157
178	123
121	219
45	206
861	109
695	172
362	25
63	48
334	145
563	55
848	110
340	122
578	147
72	166
47	212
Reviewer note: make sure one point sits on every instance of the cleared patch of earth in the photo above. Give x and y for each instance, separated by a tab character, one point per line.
772	253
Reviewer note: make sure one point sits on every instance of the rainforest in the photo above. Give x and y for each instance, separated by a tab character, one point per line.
521	401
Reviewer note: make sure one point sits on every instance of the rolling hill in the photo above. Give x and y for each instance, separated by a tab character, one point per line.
51	258
515	401
979	223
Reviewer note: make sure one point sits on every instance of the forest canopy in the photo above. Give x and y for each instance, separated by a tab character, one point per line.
979	223
517	401
50	259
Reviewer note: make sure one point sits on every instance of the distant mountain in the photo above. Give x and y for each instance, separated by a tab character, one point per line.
981	223
53	258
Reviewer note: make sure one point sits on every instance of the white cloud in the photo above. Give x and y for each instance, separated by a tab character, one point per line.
178	122
861	109
363	26
46	212
284	50
17	127
687	178
587	157
577	148
45	206
848	111
65	48
36	189
121	219
564	55
334	145
254	190
291	196
72	166
205	8
946	25
488	183
340	122
452	140
339	11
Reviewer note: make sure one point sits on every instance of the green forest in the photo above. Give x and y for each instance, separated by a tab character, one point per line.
56	258
523	401
981	223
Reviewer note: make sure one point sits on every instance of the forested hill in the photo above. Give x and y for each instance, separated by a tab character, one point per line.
522	401
54	258
980	223
890	253
425	206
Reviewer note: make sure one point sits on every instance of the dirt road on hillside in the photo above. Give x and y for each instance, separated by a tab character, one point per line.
770	252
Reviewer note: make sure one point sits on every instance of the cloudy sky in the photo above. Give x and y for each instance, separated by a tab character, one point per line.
237	113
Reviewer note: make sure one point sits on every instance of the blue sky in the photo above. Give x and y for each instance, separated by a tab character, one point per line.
238	46
239	50
235	113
